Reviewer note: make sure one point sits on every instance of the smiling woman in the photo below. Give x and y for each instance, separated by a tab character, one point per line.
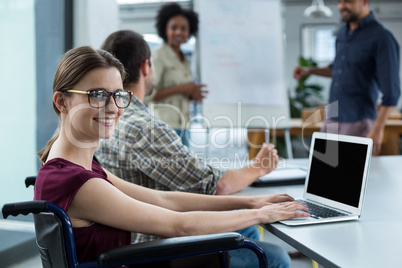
84	84
174	87
91	117
98	70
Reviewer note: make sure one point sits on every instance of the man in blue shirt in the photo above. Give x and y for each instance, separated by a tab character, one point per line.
366	63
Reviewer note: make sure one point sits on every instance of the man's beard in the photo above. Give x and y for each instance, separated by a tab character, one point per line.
353	17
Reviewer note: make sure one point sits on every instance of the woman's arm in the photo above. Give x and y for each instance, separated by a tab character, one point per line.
190	89
99	201
161	65
179	201
185	89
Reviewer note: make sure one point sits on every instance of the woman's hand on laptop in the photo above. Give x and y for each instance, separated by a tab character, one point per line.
283	211
260	201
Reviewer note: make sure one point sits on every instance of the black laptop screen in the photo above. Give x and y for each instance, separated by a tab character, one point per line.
336	170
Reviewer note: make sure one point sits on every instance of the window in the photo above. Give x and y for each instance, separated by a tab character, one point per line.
324	45
318	42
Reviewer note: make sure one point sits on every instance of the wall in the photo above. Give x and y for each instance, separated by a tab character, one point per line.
94	20
50	47
18	106
33	43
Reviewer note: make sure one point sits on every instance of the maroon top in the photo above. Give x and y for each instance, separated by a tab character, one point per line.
57	182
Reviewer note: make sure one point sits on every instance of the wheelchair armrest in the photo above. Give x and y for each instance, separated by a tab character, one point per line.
15	209
30	181
171	247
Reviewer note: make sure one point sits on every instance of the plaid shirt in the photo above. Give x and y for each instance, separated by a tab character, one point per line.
146	151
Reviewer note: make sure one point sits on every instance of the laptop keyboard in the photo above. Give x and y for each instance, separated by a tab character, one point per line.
317	211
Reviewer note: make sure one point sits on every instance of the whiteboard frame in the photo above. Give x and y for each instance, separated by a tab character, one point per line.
246	115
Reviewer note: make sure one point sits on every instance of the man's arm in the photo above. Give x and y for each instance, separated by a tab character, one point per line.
377	131
387	66
300	72
163	160
235	180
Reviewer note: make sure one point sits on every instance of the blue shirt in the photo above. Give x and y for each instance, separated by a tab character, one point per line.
366	63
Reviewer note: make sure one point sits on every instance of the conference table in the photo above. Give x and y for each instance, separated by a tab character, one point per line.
374	240
298	127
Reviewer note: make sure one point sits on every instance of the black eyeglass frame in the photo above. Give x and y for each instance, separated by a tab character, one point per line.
108	97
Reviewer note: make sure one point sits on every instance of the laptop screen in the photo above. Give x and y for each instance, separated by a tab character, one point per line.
336	170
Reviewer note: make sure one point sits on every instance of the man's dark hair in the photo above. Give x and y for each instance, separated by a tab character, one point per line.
167	11
131	49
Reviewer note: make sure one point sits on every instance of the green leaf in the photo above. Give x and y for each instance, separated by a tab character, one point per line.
314	87
303	62
304	90
307	62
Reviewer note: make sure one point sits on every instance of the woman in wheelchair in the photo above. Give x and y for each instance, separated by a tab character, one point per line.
89	99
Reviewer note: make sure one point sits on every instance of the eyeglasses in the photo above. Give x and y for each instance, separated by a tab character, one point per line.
99	98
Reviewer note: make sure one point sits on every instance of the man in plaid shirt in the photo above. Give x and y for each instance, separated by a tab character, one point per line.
146	151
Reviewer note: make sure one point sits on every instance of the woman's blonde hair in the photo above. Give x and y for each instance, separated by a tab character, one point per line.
73	66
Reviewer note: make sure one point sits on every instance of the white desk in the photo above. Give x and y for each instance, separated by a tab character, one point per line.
375	240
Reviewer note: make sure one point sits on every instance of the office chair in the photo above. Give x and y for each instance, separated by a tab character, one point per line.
56	244
30	181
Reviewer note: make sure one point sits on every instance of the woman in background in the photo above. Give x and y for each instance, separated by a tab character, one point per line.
174	87
89	99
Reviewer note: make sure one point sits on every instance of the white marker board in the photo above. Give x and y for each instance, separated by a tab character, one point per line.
240	52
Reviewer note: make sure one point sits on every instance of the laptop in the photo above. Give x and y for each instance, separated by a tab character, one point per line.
336	178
